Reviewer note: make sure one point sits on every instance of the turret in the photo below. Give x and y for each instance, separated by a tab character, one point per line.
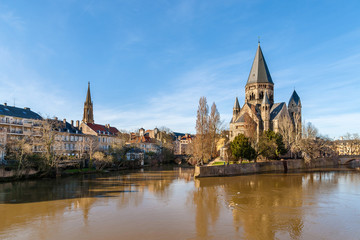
236	109
294	108
265	112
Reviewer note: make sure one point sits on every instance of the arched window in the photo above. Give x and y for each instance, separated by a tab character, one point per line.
261	96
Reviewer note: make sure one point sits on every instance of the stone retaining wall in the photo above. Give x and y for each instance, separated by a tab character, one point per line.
13	173
355	164
261	167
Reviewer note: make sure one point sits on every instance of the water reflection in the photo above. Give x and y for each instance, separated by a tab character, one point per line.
168	203
266	206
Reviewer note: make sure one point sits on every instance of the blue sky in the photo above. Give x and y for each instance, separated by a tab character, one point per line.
149	62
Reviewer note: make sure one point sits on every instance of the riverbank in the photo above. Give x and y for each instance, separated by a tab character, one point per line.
30	174
263	167
9	175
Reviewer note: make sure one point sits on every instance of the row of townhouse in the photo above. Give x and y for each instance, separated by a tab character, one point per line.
347	147
146	141
152	141
70	139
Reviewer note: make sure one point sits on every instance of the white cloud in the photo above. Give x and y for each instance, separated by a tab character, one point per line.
12	20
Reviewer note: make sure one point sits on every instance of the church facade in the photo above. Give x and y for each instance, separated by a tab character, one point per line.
259	112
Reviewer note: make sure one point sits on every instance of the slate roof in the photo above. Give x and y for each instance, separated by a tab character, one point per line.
18	112
241	118
65	127
101	129
259	72
296	98
276	109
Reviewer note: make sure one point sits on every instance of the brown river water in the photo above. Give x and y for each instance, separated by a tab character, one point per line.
170	204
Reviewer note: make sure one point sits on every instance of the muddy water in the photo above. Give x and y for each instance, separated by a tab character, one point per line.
172	205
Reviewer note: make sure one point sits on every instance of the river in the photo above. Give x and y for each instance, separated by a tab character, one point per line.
170	204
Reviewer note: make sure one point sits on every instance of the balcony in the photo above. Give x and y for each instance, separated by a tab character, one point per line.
16	132
18	123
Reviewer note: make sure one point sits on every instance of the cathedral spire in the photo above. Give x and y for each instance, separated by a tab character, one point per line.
259	71
88	116
88	95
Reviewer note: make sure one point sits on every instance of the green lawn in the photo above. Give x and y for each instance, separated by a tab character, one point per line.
222	163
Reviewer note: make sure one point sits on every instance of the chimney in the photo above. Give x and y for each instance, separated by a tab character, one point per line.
141	132
77	123
5	104
64	121
72	123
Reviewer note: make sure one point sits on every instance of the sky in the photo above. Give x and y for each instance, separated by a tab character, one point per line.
149	62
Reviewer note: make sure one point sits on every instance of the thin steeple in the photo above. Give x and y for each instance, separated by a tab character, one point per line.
259	72
88	116
88	95
236	105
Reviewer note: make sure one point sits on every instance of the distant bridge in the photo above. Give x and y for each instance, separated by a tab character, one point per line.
347	159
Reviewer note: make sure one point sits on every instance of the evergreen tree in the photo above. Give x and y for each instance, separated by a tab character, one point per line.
241	148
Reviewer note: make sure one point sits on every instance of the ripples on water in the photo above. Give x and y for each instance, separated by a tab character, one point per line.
170	204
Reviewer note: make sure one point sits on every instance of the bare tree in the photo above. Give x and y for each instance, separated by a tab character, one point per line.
214	129
312	145
250	129
19	150
101	160
202	130
289	133
92	145
49	143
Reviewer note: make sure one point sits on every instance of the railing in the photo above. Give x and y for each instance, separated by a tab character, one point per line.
11	122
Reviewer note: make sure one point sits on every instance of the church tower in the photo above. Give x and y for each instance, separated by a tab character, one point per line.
294	108
88	116
259	81
265	112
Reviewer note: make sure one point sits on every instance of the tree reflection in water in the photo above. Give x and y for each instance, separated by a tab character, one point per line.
265	206
166	203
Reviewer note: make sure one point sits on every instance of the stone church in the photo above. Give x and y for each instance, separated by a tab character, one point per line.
259	112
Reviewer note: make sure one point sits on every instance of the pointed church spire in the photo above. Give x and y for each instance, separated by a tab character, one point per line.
88	95
294	97
259	71
88	116
265	100
236	105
